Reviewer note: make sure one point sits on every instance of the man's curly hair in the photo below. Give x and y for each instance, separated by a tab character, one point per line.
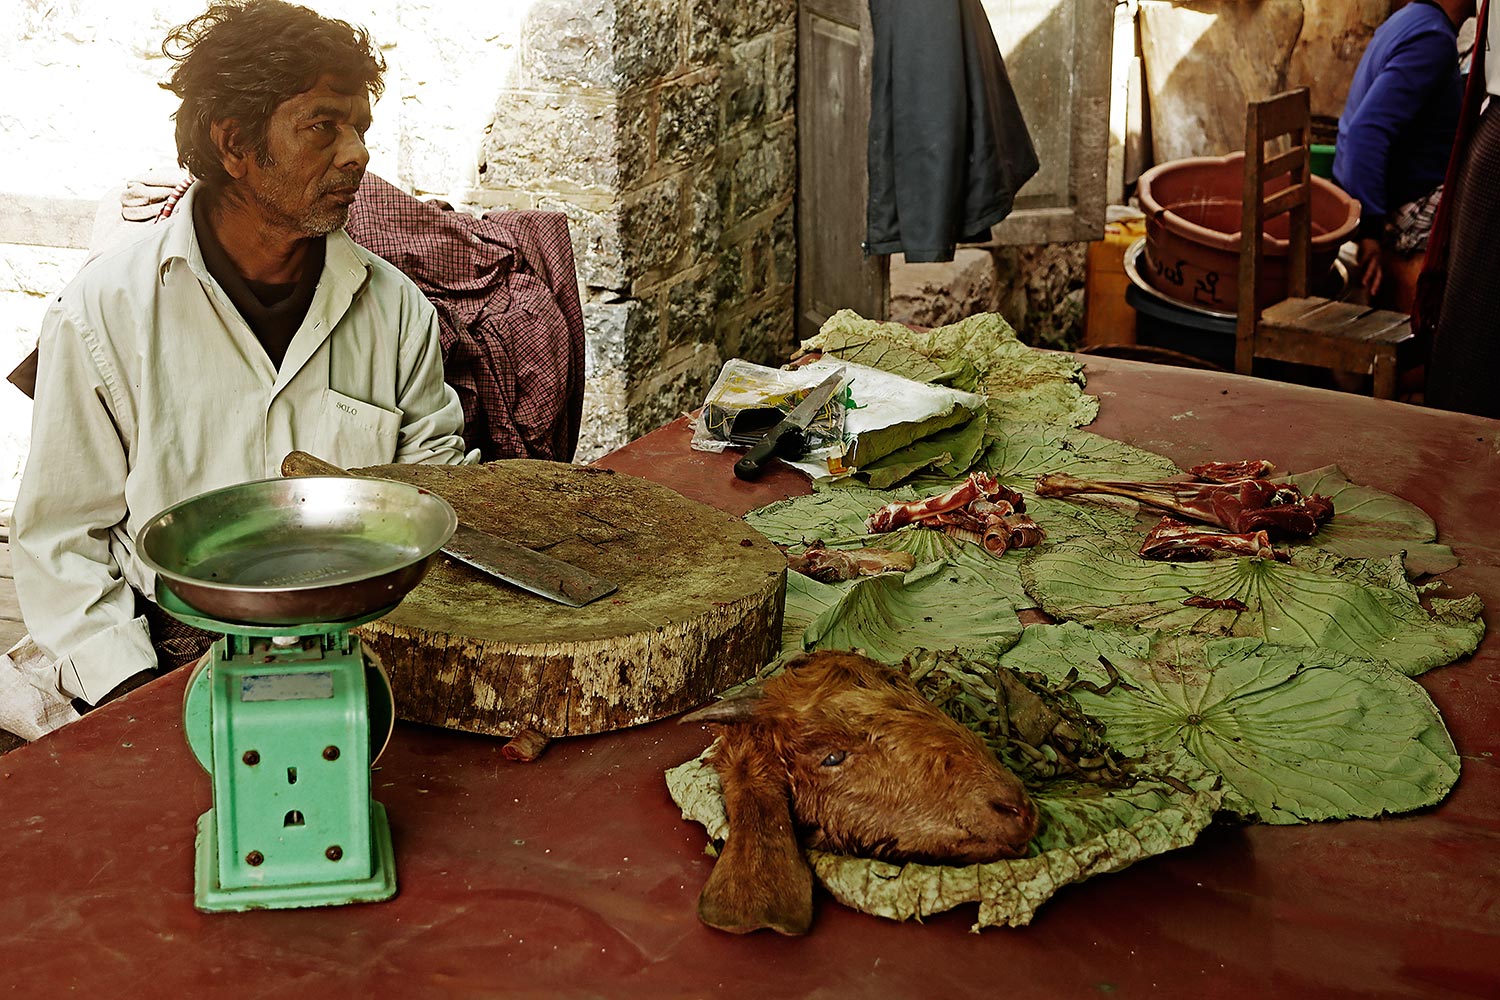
241	59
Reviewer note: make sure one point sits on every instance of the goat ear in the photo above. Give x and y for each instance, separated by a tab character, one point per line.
761	880
738	707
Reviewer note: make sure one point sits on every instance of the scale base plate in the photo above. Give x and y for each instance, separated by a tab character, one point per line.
210	897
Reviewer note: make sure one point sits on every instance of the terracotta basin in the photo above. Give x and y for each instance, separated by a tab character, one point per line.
1192	211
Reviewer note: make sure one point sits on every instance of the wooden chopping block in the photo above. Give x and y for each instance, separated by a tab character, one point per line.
698	608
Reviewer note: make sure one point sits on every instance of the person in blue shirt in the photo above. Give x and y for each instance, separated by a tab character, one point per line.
1396	132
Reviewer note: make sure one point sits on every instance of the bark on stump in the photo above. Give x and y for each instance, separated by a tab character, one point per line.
698	608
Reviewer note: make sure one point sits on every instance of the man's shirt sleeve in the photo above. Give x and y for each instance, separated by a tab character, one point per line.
432	418
74	599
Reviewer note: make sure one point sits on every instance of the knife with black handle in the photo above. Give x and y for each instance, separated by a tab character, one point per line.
787	439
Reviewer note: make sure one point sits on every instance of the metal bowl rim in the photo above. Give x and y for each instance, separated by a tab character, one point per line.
249	588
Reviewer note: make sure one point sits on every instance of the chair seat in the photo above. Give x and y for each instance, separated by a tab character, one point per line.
1333	334
1337	335
1341	320
1304	330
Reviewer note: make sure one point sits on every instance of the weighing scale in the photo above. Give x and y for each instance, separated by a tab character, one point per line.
287	714
288	721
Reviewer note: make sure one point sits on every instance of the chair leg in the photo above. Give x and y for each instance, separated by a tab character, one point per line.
1244	353
1385	375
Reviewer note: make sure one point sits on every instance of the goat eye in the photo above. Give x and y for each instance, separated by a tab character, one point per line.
835	759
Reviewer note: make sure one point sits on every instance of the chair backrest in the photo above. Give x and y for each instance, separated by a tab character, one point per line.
1286	114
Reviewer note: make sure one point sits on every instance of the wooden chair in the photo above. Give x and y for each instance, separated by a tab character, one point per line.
1302	328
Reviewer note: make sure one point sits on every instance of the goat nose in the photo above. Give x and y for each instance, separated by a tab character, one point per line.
1006	807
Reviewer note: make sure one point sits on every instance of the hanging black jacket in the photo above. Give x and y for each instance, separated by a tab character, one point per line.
948	146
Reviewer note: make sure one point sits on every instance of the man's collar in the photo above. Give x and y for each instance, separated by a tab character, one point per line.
181	243
343	259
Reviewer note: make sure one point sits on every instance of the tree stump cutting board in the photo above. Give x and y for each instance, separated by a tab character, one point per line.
698	608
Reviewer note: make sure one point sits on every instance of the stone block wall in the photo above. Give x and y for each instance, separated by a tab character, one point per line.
1037	287
665	129
1204	59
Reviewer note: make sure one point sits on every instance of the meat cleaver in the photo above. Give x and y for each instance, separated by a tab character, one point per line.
515	564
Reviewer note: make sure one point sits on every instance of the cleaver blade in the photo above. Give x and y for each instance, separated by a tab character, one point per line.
526	568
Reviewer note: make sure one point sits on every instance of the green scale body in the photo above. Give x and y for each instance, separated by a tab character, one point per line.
288	720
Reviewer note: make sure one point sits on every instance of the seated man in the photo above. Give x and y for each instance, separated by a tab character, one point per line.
1397	129
245	326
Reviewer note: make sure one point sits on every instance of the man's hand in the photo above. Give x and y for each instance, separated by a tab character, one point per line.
1368	264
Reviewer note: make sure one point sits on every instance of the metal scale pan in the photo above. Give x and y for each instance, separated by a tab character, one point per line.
288	552
1334	285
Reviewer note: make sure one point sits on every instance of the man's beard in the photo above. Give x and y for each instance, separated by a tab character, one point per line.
322	221
283	204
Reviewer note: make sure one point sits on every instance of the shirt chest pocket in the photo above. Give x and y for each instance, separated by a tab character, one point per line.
355	433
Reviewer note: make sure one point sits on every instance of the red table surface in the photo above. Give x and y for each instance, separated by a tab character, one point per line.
575	876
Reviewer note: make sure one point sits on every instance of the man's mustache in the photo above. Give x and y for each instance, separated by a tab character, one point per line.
344	182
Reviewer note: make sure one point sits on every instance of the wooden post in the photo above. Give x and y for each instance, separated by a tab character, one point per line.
1247	306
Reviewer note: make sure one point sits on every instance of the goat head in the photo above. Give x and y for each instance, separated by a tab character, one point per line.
844	754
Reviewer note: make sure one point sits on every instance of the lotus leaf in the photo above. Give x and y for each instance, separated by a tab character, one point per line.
1021	381
888	346
1339	606
1298	734
954	604
1021	451
1368	522
806	600
948	453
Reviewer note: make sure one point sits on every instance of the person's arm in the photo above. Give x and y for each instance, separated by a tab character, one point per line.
74	599
1367	141
1370	271
432	418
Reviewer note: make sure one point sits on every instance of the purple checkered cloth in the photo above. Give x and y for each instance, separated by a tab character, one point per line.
507	302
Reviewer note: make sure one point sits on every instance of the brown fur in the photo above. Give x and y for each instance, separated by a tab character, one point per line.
761	840
848	753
